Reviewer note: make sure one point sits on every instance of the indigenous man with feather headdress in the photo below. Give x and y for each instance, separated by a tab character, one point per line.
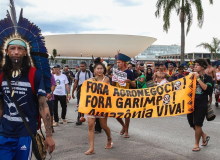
23	47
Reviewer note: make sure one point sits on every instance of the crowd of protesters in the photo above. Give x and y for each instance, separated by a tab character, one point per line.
139	75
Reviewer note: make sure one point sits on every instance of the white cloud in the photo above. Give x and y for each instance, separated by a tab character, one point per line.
115	17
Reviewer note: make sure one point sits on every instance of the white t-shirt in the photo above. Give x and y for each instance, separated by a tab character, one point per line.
218	76
61	82
82	76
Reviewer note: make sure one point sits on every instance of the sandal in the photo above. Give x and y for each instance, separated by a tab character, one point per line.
127	136
206	141
122	132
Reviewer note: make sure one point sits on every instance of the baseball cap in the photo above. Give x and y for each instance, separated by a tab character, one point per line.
57	66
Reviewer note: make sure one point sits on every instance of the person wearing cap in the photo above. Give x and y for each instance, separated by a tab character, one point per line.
203	89
121	63
160	77
60	95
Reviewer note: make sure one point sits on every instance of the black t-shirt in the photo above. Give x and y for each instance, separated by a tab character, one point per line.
201	97
69	74
149	77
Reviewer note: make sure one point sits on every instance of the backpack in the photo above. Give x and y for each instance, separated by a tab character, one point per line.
31	80
85	74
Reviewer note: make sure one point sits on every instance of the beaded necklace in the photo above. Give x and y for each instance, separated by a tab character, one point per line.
96	79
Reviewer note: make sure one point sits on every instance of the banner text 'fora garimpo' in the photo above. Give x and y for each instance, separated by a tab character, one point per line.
171	99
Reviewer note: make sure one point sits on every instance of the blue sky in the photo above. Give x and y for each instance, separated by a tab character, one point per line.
132	17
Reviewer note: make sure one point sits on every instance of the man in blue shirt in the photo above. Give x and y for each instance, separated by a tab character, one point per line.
180	73
23	45
15	141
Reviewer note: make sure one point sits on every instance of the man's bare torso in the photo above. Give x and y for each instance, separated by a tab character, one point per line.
210	71
160	76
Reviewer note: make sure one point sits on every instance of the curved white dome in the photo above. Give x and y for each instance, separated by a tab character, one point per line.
103	45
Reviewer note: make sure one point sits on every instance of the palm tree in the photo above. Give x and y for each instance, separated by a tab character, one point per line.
184	11
51	59
213	47
54	54
63	61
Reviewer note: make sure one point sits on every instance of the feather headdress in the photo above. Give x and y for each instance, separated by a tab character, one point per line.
30	34
170	63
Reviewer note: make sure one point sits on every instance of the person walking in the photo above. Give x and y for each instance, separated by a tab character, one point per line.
60	95
24	86
80	77
121	63
70	76
50	99
99	77
203	90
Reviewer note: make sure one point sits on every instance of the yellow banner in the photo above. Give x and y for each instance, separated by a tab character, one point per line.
171	99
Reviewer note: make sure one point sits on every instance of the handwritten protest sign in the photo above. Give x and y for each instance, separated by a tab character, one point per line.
171	99
119	76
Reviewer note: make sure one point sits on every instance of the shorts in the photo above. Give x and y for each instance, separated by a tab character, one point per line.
197	117
15	148
92	116
213	86
50	105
